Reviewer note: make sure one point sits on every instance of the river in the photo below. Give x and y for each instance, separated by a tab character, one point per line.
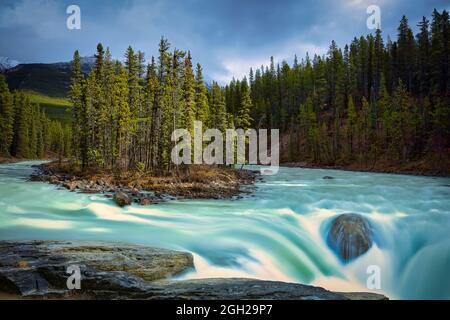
277	232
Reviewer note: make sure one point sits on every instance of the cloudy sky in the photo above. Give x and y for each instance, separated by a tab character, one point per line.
226	36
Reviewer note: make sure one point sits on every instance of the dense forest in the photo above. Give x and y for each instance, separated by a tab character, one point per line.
26	132
371	103
124	114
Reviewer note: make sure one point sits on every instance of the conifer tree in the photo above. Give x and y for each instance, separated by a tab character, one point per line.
201	97
243	119
6	118
218	115
189	112
352	120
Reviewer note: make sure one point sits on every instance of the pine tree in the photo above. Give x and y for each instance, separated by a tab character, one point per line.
121	106
77	104
351	122
218	115
6	118
406	53
243	119
22	120
423	42
189	112
440	51
201	97
151	90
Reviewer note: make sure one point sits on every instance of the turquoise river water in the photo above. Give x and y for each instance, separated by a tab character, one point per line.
277	232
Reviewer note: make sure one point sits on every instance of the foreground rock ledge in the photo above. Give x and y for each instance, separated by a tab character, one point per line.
113	270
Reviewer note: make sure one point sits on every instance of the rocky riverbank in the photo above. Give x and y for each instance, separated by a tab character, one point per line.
204	182
110	270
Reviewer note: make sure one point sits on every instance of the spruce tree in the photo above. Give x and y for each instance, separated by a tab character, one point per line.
189	112
201	97
243	119
6	118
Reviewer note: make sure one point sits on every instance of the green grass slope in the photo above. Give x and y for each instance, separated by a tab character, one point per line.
55	108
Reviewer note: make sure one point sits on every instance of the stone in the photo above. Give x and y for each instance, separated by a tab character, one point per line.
116	270
241	289
70	185
350	236
147	201
39	267
35	177
122	199
363	296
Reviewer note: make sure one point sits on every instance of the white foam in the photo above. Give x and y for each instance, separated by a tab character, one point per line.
97	230
259	266
44	223
107	212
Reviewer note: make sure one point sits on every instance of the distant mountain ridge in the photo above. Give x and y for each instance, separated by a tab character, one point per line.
51	79
7	63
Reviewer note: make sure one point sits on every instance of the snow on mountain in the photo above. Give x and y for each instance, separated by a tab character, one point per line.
7	63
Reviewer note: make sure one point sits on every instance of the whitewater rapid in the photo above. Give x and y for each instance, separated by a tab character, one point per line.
277	232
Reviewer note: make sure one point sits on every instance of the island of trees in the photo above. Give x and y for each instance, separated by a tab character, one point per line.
124	114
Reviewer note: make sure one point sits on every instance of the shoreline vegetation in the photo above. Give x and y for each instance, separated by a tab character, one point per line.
418	168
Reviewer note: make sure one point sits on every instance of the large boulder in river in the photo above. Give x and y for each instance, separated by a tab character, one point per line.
350	236
122	199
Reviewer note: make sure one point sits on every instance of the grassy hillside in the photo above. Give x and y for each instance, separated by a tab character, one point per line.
55	108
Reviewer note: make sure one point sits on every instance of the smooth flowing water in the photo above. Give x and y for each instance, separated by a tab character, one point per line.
278	232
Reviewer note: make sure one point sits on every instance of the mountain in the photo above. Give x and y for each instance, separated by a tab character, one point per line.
50	79
7	63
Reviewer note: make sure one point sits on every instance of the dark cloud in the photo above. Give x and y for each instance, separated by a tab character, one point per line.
226	36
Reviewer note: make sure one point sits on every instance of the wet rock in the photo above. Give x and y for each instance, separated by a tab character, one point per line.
350	236
113	270
363	296
70	185
104	265
35	177
54	179
135	192
328	178
240	289
88	191
148	201
122	199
